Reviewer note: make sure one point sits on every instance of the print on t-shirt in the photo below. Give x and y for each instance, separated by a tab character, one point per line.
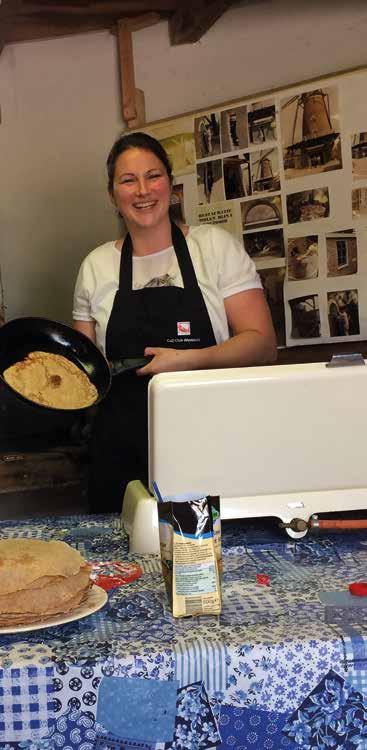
165	280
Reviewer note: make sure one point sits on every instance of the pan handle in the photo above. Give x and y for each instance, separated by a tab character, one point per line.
120	366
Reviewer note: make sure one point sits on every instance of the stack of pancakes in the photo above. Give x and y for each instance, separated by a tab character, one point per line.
51	380
39	580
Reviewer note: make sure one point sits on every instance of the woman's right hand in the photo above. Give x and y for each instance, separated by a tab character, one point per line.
168	360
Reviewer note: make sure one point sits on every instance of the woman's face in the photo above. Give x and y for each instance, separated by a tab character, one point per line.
141	189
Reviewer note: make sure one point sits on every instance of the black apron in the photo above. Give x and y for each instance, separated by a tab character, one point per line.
164	316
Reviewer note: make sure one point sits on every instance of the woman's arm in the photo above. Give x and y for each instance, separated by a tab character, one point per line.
253	340
88	327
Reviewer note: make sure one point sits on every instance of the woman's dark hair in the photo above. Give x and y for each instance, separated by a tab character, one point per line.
136	140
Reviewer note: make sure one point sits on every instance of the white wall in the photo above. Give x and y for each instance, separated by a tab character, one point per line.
60	108
60	112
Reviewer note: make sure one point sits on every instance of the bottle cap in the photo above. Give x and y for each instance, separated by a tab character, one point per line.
359	588
262	579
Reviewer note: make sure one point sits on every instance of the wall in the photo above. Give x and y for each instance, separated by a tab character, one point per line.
60	110
59	118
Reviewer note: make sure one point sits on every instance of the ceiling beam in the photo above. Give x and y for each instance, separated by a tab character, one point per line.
137	23
31	31
8	10
190	22
115	8
29	21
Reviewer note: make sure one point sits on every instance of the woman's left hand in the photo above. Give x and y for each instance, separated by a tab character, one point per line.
167	360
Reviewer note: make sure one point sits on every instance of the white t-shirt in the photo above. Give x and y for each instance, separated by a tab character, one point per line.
221	265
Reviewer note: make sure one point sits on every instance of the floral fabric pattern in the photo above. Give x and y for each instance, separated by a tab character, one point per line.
196	727
333	715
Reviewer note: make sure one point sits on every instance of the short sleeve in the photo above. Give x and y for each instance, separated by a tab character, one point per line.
236	271
84	288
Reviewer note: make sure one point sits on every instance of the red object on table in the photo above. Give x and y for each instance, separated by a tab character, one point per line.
359	588
262	579
114	574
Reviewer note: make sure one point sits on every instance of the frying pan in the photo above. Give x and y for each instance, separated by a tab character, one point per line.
21	336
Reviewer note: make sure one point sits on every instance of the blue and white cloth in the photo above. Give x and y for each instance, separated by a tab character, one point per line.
275	670
26	703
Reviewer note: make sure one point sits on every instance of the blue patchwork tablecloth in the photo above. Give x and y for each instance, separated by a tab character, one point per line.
283	666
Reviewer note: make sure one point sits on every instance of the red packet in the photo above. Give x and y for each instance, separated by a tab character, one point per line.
359	588
110	575
262	579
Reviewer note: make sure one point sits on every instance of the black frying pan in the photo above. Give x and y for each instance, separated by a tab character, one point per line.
21	336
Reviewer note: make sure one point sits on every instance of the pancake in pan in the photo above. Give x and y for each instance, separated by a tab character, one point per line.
51	380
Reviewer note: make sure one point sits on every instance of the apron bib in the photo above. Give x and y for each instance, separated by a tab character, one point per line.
171	317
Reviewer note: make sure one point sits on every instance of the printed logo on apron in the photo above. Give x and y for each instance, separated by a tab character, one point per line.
183	328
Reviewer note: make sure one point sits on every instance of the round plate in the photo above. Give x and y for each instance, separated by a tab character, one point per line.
95	600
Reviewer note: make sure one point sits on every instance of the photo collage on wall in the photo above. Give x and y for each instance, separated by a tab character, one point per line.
287	175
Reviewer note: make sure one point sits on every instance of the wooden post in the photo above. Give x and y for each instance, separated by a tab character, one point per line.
133	102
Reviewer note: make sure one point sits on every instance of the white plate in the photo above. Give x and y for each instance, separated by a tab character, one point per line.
95	600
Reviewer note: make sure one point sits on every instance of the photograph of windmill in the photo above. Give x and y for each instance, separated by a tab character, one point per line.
265	171
237	178
310	126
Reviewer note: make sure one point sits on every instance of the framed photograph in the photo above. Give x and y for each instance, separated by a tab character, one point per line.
308	205
234	129
310	126
210	181
207	135
343	313
303	258
305	317
269	244
261	212
262	122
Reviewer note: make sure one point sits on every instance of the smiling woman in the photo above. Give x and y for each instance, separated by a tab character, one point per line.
141	191
188	297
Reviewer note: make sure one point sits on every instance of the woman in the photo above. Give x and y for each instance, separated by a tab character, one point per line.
166	292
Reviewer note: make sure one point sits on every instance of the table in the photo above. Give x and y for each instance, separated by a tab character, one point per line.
284	666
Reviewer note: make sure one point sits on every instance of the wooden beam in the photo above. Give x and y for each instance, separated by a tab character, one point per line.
31	31
103	8
125	42
137	23
46	23
133	104
4	33
191	21
144	21
8	12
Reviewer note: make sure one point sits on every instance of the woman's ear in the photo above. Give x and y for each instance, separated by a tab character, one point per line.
112	199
